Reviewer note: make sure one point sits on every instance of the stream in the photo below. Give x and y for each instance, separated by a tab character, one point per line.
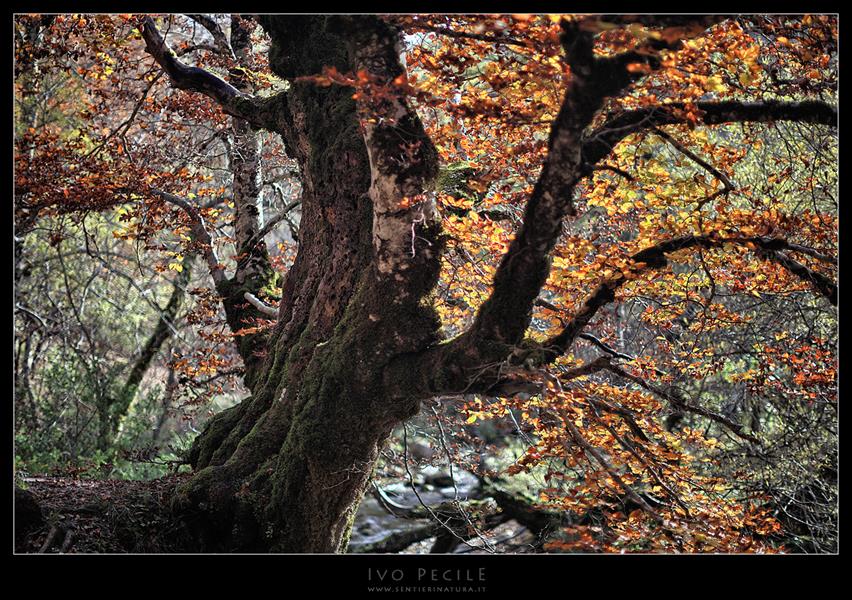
373	523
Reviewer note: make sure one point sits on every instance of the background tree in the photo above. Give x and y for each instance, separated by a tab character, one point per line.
101	109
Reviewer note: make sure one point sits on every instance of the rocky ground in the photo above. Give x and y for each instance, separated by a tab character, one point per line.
412	530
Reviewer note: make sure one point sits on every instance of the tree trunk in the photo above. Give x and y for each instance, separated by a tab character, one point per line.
286	469
116	411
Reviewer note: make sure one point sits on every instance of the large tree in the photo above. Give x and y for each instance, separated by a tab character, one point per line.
356	347
358	342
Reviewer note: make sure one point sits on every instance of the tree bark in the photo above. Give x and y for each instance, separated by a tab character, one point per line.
286	469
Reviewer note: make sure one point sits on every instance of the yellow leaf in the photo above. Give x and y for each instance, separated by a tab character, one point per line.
715	84
746	78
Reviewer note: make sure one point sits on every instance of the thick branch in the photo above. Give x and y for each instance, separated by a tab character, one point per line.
505	316
184	77
655	257
597	342
600	143
402	157
820	282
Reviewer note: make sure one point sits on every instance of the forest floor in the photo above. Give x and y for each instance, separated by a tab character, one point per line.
97	516
74	515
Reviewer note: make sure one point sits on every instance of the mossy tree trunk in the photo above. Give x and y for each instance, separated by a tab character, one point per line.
286	469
